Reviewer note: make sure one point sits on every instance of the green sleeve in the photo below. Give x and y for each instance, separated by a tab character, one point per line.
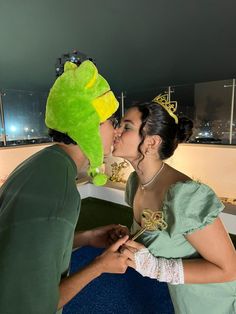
31	264
131	187
190	206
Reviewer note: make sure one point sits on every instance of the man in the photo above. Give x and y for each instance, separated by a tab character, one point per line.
40	204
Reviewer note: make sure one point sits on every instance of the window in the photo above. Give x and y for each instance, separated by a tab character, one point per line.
210	105
213	107
23	117
1	134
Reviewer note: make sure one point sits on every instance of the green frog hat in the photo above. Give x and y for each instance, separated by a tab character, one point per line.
78	102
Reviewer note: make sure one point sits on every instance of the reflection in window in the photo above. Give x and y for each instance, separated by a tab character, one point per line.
213	107
210	105
24	117
207	104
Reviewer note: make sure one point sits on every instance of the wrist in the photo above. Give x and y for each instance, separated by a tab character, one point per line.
82	238
98	266
89	237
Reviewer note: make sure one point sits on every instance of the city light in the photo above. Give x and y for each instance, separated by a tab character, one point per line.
13	128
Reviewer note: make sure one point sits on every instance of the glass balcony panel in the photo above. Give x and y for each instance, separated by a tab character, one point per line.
24	113
213	108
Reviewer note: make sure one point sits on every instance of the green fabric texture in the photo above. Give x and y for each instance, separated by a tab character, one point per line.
37	221
187	206
78	102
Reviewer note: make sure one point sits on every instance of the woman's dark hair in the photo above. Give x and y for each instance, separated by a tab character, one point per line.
157	121
60	137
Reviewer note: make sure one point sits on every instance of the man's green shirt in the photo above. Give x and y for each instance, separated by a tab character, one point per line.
39	208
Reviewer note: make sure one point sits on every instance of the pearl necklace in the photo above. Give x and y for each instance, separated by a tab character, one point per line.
145	185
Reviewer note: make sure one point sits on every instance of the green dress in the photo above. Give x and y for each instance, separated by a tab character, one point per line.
187	207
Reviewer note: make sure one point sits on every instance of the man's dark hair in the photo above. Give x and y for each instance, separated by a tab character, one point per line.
60	137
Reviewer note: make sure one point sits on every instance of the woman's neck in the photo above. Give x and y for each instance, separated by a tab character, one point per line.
148	170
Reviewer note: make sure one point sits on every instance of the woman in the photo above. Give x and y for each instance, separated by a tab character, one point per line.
186	244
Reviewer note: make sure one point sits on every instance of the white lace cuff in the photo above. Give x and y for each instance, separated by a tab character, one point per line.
163	269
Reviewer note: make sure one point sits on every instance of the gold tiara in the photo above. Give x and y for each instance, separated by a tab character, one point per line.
169	106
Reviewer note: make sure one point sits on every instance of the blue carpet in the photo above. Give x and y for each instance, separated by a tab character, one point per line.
128	293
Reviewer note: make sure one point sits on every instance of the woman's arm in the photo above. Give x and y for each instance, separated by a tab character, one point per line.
218	262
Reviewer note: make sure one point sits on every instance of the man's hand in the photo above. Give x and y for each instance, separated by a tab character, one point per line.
111	260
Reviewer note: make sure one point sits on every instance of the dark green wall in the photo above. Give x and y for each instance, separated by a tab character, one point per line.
137	44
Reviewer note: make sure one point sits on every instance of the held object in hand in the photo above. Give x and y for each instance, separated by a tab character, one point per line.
151	221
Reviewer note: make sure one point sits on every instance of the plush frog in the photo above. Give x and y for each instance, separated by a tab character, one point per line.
78	102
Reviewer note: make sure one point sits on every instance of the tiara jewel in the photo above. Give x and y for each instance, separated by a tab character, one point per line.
169	106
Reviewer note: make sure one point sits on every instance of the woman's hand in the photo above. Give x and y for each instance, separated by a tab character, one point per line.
129	249
100	237
117	232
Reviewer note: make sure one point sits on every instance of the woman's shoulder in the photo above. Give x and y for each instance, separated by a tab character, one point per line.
191	205
174	178
183	190
178	182
188	186
173	175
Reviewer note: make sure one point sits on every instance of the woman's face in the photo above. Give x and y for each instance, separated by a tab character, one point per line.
107	135
127	136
